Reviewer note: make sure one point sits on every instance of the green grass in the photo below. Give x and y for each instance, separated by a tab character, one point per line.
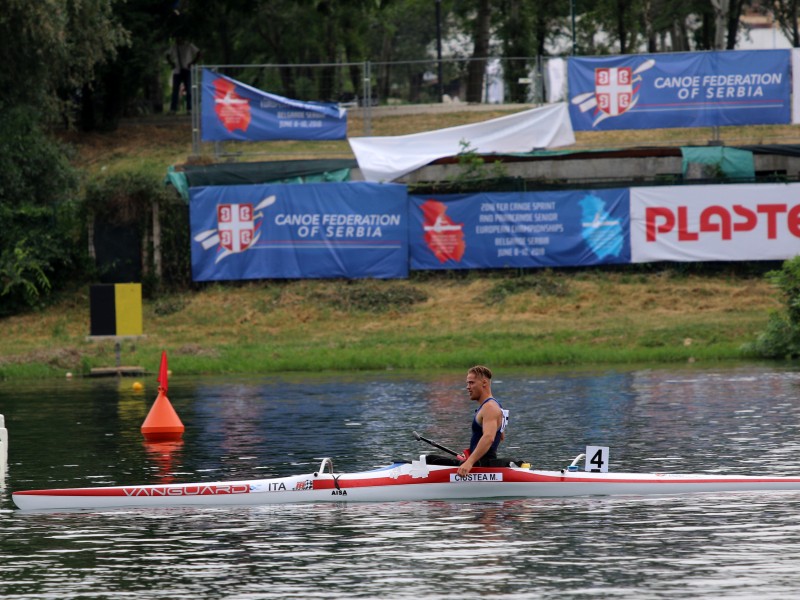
425	323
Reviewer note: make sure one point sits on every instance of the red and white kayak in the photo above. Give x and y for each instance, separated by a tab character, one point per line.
398	482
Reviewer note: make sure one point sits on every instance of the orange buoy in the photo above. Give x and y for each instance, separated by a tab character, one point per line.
162	423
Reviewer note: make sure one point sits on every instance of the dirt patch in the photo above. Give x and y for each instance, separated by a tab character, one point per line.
197	350
61	358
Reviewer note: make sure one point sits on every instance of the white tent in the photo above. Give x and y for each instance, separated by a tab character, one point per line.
389	157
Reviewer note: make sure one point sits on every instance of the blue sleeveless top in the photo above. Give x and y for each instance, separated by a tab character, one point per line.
477	431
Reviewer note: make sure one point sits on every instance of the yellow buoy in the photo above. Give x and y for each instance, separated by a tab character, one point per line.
137	386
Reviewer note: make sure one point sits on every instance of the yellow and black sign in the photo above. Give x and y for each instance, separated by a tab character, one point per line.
116	309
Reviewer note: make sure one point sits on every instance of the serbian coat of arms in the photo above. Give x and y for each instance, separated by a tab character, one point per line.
236	226
613	89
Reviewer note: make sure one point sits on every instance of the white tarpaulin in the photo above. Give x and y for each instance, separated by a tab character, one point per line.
387	158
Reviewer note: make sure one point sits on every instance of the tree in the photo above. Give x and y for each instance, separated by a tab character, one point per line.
728	15
50	49
131	80
787	14
480	51
404	31
38	249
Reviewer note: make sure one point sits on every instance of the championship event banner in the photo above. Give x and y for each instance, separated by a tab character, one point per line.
315	230
232	110
519	229
715	222
693	89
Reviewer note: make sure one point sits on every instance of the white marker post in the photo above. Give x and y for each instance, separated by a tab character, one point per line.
3	449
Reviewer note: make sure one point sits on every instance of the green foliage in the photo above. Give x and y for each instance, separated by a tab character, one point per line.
22	273
787	280
781	339
35	167
476	167
127	198
51	48
39	245
474	174
123	197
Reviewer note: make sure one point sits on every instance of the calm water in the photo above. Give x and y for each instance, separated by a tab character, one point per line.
80	433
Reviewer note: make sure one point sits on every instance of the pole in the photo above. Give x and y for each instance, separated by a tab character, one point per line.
572	15
367	98
195	108
439	47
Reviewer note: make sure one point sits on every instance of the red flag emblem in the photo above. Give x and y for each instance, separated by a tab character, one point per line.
231	108
444	237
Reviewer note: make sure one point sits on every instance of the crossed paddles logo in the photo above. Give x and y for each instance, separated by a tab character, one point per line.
616	91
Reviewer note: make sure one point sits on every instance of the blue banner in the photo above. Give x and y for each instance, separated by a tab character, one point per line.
520	229
231	110
699	89
316	230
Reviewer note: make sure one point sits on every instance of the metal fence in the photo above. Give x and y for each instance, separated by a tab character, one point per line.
365	85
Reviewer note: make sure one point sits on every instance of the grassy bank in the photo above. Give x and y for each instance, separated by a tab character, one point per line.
430	321
442	321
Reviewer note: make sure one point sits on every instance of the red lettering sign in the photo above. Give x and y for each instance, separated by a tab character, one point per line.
721	220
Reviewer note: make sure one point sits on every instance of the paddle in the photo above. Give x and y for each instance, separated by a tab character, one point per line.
419	438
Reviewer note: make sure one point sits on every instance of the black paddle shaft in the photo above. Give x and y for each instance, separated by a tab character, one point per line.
418	437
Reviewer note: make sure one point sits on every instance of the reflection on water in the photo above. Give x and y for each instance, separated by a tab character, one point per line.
742	420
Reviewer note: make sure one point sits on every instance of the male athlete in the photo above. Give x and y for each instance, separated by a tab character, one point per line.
489	424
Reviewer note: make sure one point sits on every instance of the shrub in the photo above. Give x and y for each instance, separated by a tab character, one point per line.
40	249
126	199
781	339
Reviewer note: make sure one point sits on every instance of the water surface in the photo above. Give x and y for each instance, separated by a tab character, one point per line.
80	433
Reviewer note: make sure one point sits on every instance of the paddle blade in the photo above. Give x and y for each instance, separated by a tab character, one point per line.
162	372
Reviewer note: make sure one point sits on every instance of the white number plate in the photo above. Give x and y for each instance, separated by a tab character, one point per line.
597	459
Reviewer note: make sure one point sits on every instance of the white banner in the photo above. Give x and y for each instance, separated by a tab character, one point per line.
715	222
390	157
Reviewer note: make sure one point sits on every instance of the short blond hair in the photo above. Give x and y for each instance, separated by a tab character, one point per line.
481	371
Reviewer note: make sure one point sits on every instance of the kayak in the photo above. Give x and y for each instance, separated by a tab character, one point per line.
406	481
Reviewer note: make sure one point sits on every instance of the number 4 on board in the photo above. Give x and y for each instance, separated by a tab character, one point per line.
597	459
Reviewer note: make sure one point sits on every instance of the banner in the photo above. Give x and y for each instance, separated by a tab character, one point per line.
387	158
697	89
519	229
315	230
231	110
715	222
796	86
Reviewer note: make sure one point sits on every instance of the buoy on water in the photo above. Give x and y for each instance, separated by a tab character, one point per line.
137	386
162	423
